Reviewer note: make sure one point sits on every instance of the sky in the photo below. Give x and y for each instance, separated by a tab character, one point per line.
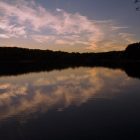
69	25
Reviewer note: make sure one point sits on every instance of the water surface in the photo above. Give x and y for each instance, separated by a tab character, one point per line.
96	103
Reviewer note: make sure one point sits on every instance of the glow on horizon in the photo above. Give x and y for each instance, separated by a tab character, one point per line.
28	24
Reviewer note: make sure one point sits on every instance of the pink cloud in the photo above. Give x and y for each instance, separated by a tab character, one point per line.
12	30
22	18
3	36
43	39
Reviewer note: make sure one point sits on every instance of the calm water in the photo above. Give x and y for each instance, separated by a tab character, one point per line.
81	103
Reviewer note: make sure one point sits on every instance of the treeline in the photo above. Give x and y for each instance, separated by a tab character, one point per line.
15	60
133	51
23	55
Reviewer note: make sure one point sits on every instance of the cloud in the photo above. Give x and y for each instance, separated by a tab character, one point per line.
119	27
127	37
4	36
43	38
28	19
11	30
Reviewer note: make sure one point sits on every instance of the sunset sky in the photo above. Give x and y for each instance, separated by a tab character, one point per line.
69	25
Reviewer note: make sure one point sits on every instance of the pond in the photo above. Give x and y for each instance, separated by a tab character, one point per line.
74	103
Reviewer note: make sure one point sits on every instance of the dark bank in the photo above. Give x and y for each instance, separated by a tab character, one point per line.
20	60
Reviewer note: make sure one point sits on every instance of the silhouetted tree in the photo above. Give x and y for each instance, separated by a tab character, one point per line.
133	51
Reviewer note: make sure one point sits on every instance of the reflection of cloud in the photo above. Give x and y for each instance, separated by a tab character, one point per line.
27	18
59	90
